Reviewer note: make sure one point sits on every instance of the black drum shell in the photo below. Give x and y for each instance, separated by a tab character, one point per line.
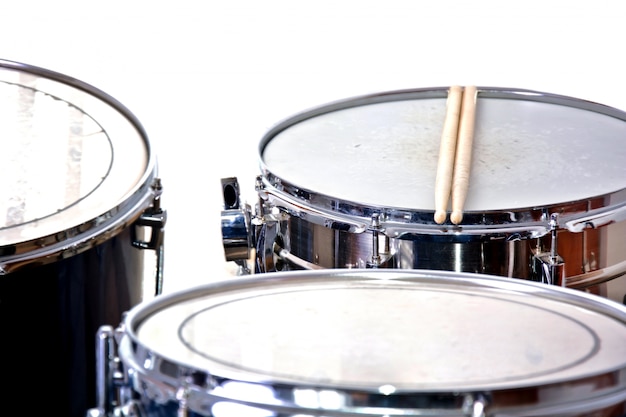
49	315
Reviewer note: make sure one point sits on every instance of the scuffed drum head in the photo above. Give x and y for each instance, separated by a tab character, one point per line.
73	159
410	336
530	150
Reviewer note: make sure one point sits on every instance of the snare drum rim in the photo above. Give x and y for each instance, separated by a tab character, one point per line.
147	364
523	222
78	238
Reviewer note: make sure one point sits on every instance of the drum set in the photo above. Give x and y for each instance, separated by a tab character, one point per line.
351	299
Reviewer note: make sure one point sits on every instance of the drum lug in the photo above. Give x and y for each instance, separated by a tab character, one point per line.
379	239
475	405
153	217
108	373
375	228
549	267
182	396
377	234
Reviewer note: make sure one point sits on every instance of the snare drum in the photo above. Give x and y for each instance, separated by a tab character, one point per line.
369	343
78	185
351	185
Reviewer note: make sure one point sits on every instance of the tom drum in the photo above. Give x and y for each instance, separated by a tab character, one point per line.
80	201
367	343
351	184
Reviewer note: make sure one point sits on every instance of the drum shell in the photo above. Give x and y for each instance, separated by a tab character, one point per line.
331	248
50	315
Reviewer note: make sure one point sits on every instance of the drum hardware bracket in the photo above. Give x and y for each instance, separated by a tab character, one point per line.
236	226
236	237
153	217
549	267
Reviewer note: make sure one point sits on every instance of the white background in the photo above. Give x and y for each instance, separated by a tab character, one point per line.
208	78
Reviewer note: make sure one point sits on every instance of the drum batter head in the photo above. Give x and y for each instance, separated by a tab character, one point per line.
73	159
531	150
371	335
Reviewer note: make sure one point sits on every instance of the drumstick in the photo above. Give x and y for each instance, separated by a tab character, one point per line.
463	159
447	149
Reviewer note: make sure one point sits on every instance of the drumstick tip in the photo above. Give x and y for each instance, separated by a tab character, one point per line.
456	216
440	216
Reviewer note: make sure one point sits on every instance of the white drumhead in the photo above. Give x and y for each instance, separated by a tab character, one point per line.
69	155
527	153
408	331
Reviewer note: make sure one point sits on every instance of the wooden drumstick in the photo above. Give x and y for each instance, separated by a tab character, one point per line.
463	159
447	149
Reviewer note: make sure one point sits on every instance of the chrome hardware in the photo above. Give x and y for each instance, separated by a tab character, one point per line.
379	239
375	261
230	193
107	372
301	263
392	227
236	237
549	267
113	391
322	217
376	229
182	396
130	409
105	360
267	244
475	405
235	234
154	218
597	218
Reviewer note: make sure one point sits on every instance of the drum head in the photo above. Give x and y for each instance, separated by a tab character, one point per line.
389	332
530	150
73	158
